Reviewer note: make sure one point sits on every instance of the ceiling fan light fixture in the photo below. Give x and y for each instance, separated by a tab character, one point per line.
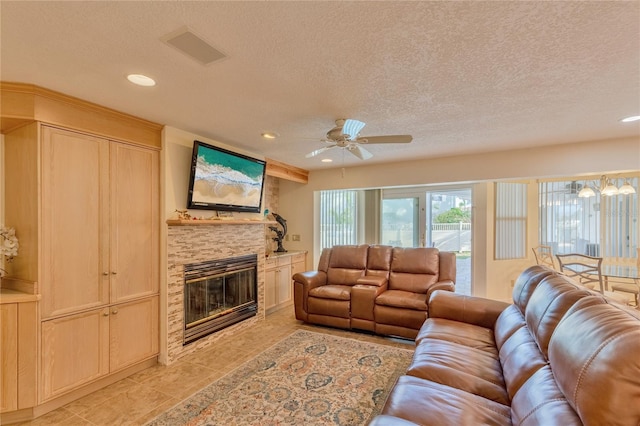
327	160
630	119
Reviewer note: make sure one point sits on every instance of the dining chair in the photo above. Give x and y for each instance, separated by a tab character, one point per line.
544	256
587	270
632	288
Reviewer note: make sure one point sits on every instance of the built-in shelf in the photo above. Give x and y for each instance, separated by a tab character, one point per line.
197	222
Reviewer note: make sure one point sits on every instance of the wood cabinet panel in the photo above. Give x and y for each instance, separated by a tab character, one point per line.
9	357
278	282
134	332
75	351
135	222
269	288
75	217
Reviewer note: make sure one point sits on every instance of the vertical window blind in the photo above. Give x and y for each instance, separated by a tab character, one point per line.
510	220
338	217
601	226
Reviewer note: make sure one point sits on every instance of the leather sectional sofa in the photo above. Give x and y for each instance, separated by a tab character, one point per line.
559	355
382	289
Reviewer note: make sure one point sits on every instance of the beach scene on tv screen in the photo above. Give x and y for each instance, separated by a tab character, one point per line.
222	178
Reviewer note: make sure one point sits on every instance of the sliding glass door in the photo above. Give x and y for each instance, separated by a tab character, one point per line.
425	217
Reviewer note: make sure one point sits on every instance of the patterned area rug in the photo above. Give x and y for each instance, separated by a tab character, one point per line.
307	379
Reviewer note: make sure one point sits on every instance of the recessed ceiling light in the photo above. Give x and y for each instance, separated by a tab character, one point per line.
141	80
270	135
326	160
630	119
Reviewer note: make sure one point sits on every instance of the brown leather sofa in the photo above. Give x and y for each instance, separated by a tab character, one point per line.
382	289
559	355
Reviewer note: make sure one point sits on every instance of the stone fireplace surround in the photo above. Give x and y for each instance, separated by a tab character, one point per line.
191	243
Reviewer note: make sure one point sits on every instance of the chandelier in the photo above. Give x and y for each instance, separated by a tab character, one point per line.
606	188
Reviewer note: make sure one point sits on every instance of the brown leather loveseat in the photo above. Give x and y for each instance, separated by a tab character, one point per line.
382	289
559	355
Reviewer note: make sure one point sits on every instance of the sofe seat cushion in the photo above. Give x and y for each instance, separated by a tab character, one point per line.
403	299
462	367
336	292
429	403
462	333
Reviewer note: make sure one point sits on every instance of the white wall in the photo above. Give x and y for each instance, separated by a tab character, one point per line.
491	278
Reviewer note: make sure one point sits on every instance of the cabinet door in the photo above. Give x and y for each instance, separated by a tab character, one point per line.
283	279
135	227
134	332
269	288
75	217
9	357
75	350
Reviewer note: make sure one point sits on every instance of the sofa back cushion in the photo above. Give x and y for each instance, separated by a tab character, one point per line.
346	264
594	356
379	261
527	282
512	318
548	304
414	269
524	351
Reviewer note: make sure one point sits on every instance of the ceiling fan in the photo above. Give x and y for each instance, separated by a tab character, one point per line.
346	135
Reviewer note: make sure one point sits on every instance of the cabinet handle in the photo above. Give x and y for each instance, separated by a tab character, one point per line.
113	272
105	273
105	314
114	312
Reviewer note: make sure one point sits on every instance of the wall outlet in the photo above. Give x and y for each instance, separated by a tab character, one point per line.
295	237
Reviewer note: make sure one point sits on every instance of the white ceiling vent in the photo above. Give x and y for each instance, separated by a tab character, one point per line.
193	46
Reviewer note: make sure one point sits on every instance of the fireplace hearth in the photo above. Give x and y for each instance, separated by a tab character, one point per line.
218	294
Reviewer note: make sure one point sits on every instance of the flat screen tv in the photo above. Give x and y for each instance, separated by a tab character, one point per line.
224	180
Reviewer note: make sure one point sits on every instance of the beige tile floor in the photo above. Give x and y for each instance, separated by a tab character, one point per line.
144	395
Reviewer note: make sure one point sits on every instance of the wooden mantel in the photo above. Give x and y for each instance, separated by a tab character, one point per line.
200	222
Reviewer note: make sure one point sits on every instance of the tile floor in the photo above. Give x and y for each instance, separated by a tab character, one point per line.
142	396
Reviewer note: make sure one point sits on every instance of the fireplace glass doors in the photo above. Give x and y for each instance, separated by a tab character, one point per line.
218	294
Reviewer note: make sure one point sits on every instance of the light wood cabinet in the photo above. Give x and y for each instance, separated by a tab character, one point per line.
80	348
9	357
94	250
278	284
84	200
133	330
18	340
75	351
100	222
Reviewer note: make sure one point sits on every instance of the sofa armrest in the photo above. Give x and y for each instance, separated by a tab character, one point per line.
441	285
363	300
373	280
473	310
302	283
311	279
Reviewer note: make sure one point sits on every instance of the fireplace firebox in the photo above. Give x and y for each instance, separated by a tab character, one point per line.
218	294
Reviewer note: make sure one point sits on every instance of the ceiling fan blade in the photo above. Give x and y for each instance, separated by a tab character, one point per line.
352	128
359	152
319	151
386	139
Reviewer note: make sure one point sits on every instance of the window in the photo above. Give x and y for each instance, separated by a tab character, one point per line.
511	220
338	218
601	226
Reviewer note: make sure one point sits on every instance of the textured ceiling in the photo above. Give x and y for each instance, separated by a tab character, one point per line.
459	76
